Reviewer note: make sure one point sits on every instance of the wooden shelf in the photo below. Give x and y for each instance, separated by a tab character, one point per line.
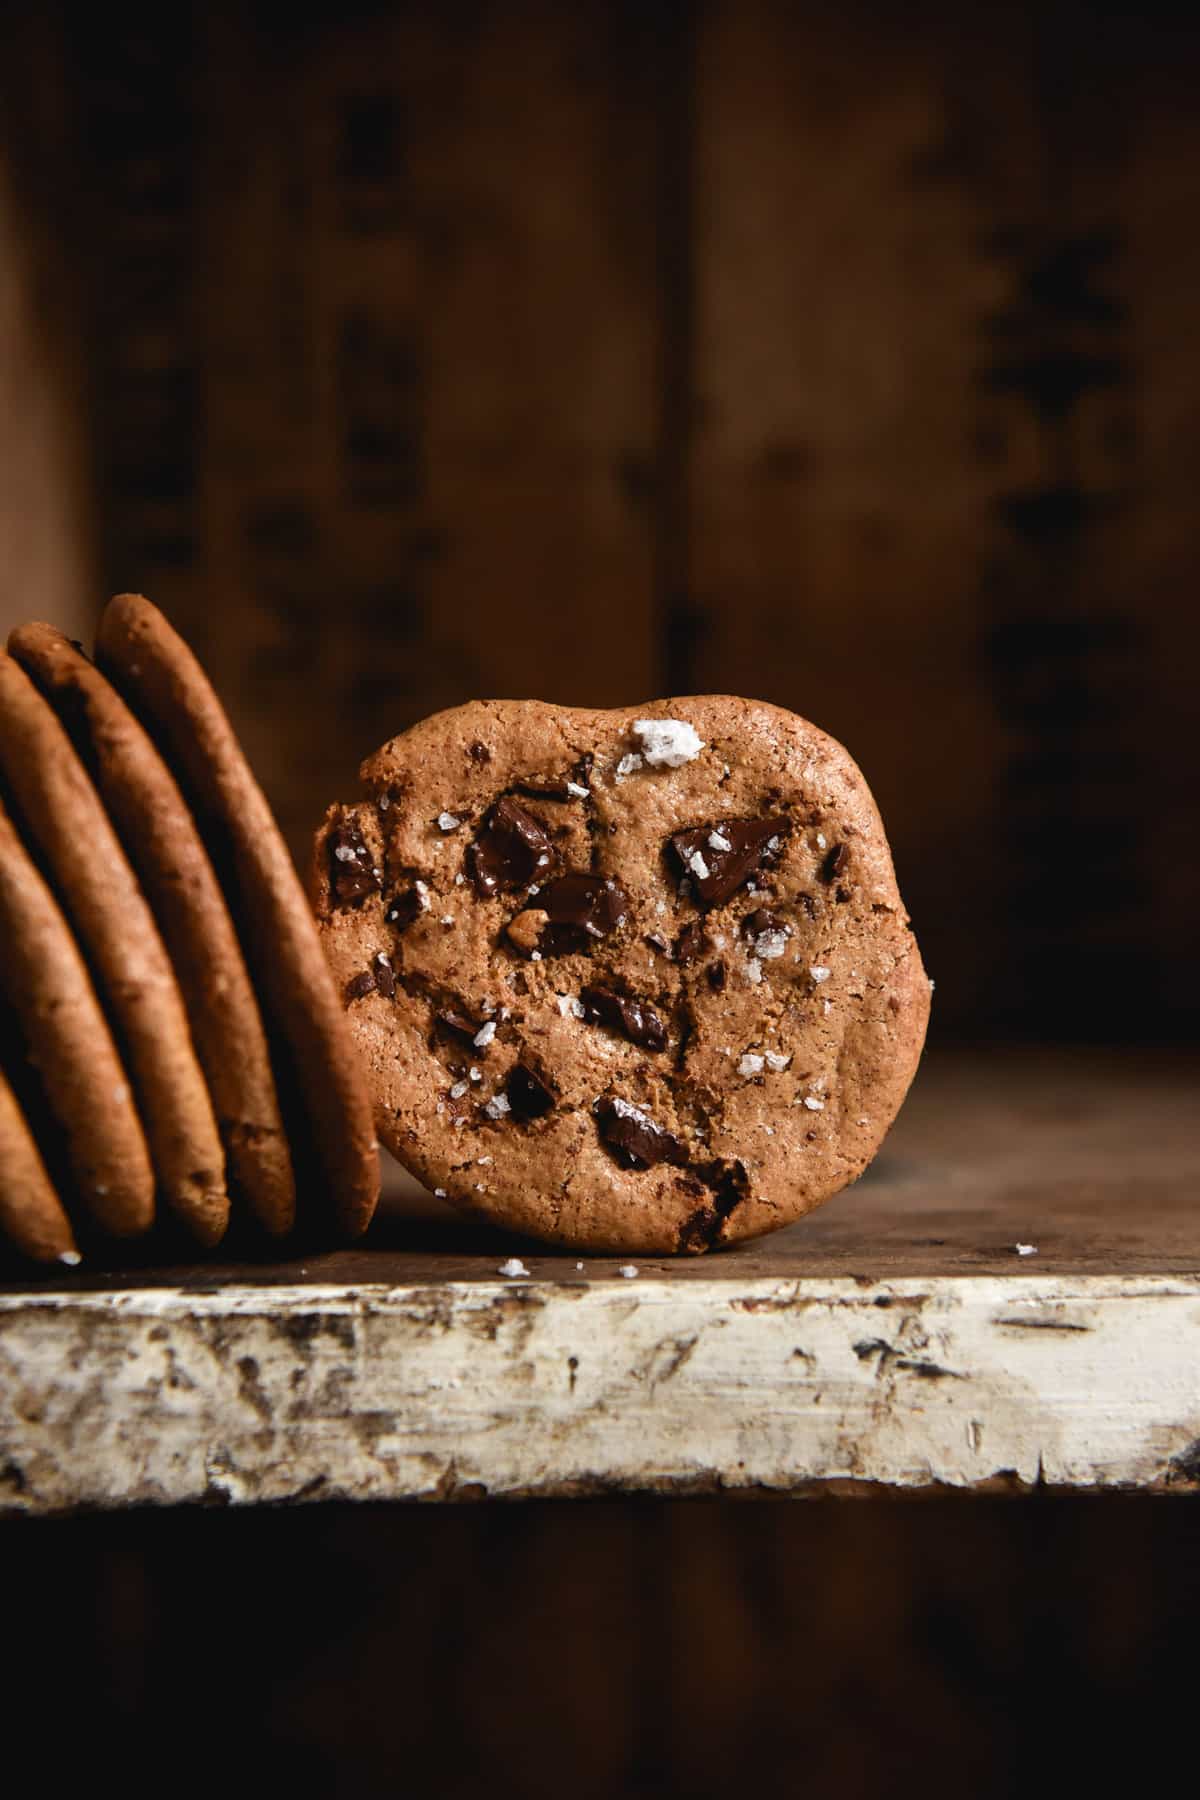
895	1340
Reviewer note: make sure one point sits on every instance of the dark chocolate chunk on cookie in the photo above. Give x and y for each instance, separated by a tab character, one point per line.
654	987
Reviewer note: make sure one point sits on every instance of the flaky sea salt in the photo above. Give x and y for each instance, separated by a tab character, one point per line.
1026	1249
813	1104
512	1268
579	791
484	1035
448	822
439	1193
497	1106
668	743
569	1006
698	866
769	944
628	1270
750	1064
819	974
717	842
776	1061
628	765
344	853
753	972
458	1090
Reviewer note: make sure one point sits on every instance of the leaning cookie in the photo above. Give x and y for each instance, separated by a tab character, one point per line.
164	684
68	1042
63	815
31	1214
160	837
638	981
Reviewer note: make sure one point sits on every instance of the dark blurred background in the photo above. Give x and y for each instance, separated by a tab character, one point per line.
844	356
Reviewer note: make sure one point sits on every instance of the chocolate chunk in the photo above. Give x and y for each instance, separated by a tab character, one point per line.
716	976
581	909
545	790
508	851
478	752
658	943
384	976
528	1095
352	871
730	1185
749	843
408	906
835	862
760	920
634	1018
360	985
691	943
634	1139
451	1019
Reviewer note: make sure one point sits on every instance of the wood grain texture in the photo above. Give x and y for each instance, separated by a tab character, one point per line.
896	1339
429	343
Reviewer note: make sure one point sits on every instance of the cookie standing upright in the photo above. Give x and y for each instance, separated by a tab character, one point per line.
32	1217
160	837
61	810
67	1040
635	980
165	685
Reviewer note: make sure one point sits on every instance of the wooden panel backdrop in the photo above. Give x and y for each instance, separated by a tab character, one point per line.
838	356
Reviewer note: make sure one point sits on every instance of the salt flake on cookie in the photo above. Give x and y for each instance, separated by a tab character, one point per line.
668	743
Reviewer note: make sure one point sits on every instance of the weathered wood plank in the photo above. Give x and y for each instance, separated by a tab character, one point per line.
529	1388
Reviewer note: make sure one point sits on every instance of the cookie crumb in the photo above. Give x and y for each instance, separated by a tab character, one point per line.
448	822
668	743
1026	1249
513	1268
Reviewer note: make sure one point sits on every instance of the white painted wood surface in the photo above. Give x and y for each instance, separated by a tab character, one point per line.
526	1387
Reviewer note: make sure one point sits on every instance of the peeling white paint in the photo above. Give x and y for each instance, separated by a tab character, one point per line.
410	1392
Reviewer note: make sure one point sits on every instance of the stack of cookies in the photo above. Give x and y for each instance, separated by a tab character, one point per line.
171	1040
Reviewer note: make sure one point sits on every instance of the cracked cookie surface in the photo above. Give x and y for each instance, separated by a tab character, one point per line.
636	980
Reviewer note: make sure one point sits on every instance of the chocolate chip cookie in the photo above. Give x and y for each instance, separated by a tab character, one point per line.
63	815
635	981
161	840
161	680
